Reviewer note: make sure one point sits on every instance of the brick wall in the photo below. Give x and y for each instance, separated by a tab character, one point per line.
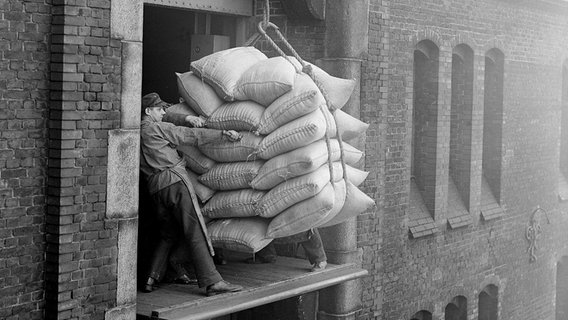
81	244
24	84
410	275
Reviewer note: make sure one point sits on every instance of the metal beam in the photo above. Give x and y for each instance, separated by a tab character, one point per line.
235	7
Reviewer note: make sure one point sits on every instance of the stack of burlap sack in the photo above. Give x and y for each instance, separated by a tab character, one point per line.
276	181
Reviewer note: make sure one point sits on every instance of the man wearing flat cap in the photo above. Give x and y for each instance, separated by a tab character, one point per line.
170	189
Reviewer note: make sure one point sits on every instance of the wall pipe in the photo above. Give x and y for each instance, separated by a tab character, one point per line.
346	44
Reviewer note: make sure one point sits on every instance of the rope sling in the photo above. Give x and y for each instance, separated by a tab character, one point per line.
306	68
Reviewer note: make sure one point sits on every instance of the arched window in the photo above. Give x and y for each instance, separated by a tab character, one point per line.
422	315
457	309
488	303
424	138
562	289
459	177
492	135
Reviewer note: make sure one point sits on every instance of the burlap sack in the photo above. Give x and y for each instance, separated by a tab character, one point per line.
239	234
232	175
304	215
196	161
295	190
356	202
237	115
203	193
338	90
201	97
304	98
227	151
223	69
182	108
301	161
295	134
230	204
265	81
348	126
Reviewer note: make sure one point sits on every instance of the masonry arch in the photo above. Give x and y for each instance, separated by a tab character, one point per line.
425	120
488	302
461	119
493	121
422	315
456	309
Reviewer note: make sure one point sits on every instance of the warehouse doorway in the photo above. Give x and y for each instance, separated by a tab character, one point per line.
173	37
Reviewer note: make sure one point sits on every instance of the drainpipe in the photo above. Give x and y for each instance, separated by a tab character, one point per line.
346	43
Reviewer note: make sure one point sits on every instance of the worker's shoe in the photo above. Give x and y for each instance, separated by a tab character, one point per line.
222	287
318	266
151	285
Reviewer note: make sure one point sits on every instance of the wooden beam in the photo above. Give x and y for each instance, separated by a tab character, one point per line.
236	7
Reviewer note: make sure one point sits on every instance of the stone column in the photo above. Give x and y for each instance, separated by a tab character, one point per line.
346	43
123	154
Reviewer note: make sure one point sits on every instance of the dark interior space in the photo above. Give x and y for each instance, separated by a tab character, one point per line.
168	37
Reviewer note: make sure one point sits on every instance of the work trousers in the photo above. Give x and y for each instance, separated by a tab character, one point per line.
177	218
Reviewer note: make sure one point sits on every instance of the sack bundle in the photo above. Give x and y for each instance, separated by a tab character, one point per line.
291	171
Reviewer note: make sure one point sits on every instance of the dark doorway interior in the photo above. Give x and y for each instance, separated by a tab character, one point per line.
168	36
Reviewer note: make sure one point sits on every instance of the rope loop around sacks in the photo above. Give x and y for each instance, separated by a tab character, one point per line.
306	68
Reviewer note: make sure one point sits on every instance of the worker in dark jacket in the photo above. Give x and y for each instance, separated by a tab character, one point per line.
170	189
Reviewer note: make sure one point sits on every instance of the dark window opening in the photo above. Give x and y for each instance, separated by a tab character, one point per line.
492	136
422	315
493	121
424	140
562	289
425	120
488	303
457	309
459	177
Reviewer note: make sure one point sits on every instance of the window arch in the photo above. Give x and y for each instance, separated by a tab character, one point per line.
492	135
422	206
425	118
461	117
488	303
422	315
493	120
456	309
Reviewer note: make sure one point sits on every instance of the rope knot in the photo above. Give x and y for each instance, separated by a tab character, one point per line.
307	69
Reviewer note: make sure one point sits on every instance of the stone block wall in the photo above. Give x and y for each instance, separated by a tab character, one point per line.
24	99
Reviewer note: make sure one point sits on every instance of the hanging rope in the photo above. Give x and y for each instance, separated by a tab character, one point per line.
307	69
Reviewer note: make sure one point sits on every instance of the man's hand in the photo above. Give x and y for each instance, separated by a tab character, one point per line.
196	122
232	135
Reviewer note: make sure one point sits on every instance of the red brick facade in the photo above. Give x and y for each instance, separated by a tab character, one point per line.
60	91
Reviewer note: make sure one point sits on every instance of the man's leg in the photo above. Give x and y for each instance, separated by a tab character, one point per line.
315	251
205	270
167	236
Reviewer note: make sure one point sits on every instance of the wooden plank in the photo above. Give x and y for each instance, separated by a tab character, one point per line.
257	296
263	283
